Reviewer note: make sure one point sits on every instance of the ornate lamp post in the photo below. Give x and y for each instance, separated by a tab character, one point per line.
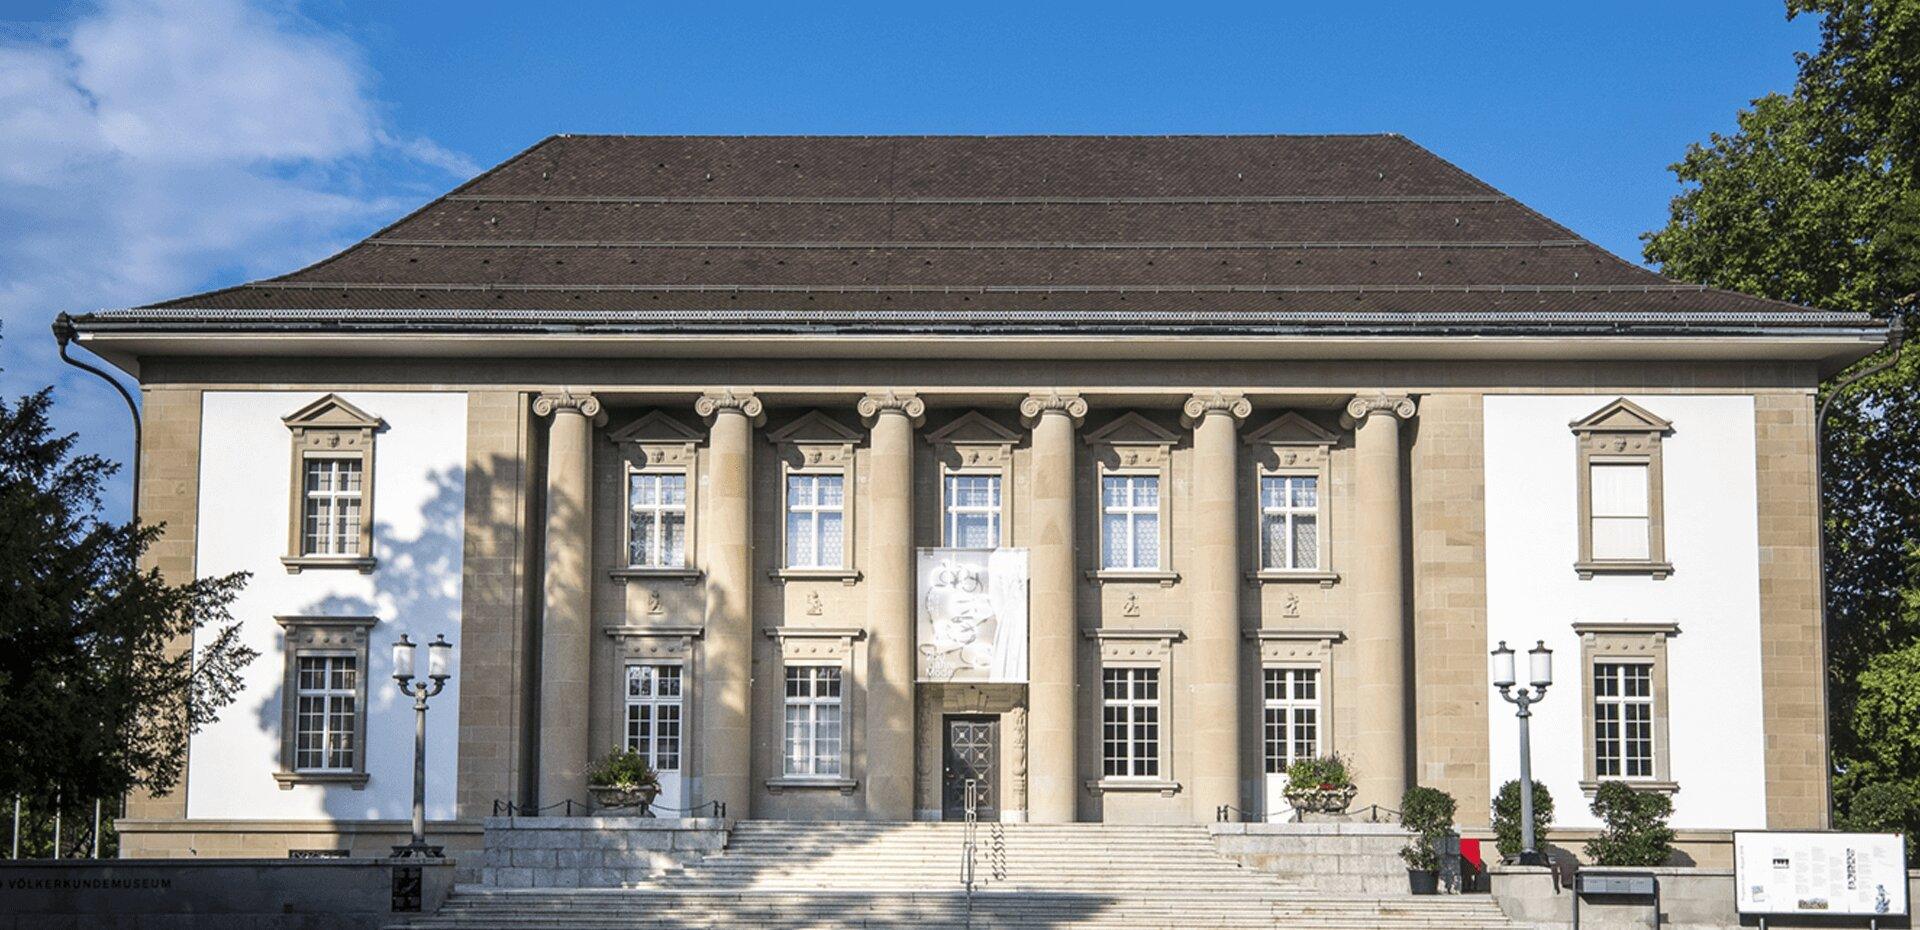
439	655
1540	665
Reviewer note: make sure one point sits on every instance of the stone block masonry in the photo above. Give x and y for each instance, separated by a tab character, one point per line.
577	852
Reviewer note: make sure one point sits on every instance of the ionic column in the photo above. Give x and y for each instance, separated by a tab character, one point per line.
1380	625
1213	577
566	595
723	732
889	580
1052	771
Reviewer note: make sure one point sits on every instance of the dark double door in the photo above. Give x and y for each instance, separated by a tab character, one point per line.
972	751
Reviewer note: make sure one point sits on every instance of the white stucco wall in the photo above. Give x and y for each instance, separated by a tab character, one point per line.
1712	539
419	501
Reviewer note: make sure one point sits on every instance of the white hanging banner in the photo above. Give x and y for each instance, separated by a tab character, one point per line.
973	615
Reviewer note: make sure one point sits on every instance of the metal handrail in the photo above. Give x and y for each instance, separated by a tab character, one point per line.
970	844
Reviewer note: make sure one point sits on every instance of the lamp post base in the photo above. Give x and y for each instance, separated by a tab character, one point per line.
1531	857
418	849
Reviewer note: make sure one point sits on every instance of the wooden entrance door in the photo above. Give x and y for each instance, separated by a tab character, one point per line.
972	752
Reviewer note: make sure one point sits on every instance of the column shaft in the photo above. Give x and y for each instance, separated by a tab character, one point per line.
1053	770
889	583
1380	619
1214	574
566	597
723	730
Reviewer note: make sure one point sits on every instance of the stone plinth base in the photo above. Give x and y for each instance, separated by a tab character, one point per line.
1334	857
590	852
220	894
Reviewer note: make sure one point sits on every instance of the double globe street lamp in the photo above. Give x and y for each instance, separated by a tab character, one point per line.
1540	669
439	660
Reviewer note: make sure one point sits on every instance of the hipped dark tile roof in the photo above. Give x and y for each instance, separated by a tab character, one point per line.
1309	225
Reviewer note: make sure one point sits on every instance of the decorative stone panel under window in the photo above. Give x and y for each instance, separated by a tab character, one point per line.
1620	497
323	716
331	506
1624	690
1292	472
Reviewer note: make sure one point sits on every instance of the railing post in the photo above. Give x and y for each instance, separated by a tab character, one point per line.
96	828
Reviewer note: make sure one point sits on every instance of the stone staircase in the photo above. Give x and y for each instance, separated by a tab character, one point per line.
819	875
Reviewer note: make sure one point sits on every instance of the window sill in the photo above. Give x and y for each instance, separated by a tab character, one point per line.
1130	576
354	780
1647	785
845	576
687	574
1166	789
1287	576
1658	570
298	563
811	783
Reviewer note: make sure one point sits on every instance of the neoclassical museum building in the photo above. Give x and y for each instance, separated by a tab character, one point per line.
1112	474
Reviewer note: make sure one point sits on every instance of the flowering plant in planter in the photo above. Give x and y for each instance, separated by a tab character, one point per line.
623	779
1323	785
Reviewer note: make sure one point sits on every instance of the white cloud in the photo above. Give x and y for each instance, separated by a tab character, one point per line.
152	147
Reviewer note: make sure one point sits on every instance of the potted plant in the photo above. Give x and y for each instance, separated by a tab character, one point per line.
1320	786
1428	813
623	780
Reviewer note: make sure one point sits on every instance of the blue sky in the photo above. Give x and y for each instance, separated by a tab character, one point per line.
153	147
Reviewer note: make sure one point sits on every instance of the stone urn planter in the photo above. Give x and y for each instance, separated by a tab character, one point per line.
624	798
1322	799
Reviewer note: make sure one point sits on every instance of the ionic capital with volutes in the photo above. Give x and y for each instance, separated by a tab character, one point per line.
1038	405
728	400
904	403
566	401
1365	405
1201	405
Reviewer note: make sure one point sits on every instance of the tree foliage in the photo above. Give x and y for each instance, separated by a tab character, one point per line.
97	693
1634	829
1506	817
1816	200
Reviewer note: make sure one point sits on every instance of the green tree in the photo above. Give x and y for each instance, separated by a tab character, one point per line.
1634	831
1816	200
96	698
1506	818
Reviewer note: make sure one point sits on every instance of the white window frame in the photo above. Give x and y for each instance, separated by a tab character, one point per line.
654	707
658	511
1288	514
1623	760
325	532
1133	511
811	705
1136	760
1281	715
815	511
329	697
952	510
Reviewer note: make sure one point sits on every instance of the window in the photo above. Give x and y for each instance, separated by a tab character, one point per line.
323	716
1130	521
1621	521
814	720
332	515
325	713
973	511
1623	720
1289	522
1621	525
657	520
816	509
1291	716
653	714
1130	722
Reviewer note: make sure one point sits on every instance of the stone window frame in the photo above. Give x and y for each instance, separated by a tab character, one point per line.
322	635
329	427
1309	649
657	444
817	444
1144	648
821	646
1638	642
1622	433
973	444
1133	445
1292	445
657	645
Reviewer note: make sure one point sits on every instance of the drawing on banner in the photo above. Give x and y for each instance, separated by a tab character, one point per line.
973	615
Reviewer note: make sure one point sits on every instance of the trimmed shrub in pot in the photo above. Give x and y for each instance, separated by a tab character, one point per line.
1635	831
1323	785
1506	817
622	780
1428	812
